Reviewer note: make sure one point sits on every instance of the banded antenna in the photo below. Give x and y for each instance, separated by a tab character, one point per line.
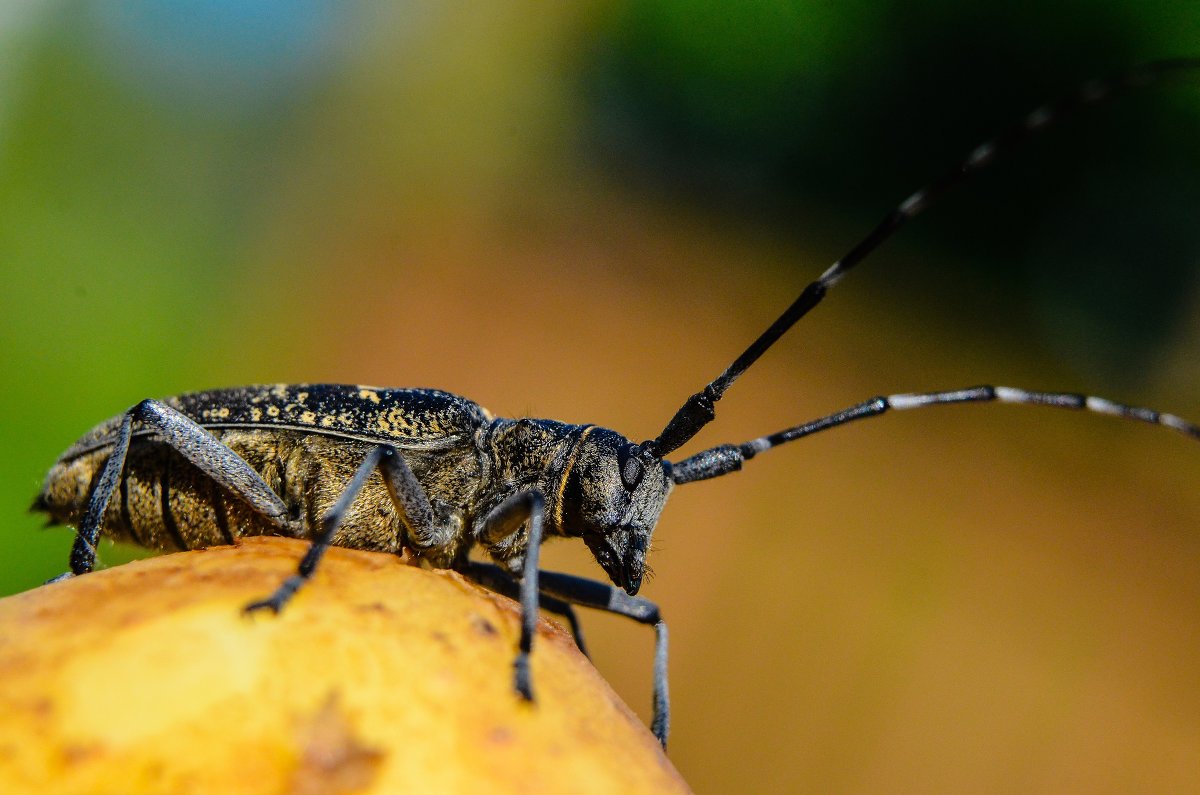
699	409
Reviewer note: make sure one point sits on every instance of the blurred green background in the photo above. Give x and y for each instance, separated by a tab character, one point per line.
584	212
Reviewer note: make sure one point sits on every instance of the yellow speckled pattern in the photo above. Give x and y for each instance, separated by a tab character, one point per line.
425	417
305	440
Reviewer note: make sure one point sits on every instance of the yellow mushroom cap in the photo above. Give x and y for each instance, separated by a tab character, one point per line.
378	677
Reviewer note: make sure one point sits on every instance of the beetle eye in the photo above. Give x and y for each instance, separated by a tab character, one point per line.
630	466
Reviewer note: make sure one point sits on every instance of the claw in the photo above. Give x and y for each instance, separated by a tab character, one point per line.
272	604
277	600
524	681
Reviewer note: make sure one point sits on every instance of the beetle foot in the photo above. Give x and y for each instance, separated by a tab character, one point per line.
277	600
524	680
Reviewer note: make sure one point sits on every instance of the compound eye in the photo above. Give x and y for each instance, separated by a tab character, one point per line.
631	466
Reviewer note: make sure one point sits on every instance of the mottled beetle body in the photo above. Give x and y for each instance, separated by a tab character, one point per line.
427	471
300	439
307	441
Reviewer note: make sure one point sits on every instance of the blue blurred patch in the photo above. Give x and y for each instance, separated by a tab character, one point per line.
222	56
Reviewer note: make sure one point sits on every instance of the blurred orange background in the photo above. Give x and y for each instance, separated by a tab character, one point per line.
584	212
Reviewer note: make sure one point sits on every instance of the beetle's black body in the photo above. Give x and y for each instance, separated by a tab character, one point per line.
419	469
301	440
307	440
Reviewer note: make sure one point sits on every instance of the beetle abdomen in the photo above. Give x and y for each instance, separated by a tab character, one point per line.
164	502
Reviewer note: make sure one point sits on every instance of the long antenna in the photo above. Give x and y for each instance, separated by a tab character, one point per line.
728	458
699	409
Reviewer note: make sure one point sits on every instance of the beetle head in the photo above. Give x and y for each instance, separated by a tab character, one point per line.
613	492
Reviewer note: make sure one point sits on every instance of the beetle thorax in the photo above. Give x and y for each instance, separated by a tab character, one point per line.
598	486
529	454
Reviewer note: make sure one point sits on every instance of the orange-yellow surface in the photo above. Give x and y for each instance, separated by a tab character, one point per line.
379	677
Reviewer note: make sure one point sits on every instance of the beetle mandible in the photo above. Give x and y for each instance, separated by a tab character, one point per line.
436	474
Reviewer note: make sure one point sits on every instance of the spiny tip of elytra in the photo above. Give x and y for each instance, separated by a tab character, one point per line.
39	504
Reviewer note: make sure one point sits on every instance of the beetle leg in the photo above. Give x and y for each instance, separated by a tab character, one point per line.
608	597
412	503
528	508
83	550
563	590
407	495
564	609
497	579
198	446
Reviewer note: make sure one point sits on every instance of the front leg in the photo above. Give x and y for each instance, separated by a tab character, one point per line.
523	508
500	581
609	598
560	591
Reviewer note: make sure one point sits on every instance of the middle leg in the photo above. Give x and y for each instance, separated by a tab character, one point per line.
409	499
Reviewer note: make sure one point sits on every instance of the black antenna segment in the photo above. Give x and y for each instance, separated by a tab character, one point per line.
699	409
728	458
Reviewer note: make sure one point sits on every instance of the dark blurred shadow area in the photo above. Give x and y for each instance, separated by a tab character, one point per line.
805	115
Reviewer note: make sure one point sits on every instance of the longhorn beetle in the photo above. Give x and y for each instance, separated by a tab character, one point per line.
434	473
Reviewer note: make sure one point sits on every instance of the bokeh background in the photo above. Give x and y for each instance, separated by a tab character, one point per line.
584	211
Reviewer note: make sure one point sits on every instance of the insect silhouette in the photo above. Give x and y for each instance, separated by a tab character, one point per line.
437	475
